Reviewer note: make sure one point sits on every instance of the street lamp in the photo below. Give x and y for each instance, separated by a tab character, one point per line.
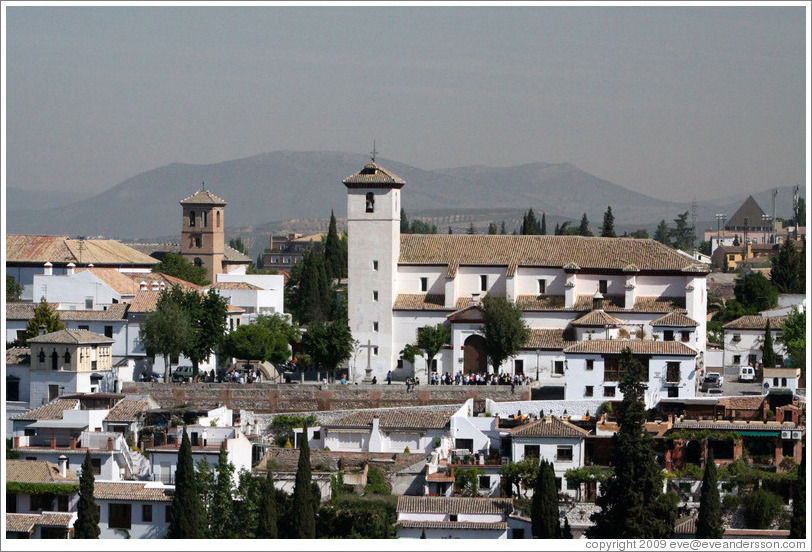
537	364
765	220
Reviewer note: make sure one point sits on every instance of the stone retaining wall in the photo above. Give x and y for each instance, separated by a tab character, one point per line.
264	397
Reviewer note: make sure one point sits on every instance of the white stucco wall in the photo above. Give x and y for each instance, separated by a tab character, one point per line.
751	342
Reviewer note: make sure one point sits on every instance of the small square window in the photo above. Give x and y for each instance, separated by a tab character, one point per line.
589	391
374	326
531	451
609	391
400	363
737	359
375	351
484	481
374	295
668	335
558	368
603	286
590	364
108	331
374	265
542	287
316	435
737	337
564	453
686	336
673	392
424	284
483	283
146	512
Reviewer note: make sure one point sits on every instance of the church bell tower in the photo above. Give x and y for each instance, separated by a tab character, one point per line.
203	231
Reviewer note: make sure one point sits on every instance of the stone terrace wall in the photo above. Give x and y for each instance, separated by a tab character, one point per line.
264	397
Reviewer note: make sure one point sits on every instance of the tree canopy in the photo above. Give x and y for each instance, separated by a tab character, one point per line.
44	315
166	331
328	343
793	336
788	273
14	290
755	292
187	515
87	513
544	508
302	515
504	329
431	340
608	226
335	252
682	234
178	266
709	520
530	224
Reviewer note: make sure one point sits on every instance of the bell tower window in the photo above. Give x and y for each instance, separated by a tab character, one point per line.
191	218
197	241
218	219
198	262
370	202
204	218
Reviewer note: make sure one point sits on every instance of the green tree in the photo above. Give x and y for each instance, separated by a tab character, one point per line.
420	227
178	266
466	481
544	508
376	482
504	329
583	228
284	334
328	343
520	476
431	340
253	342
471	229
682	234
502	229
788	273
267	518
87	513
793	336
639	234
530	224
165	331
755	292
709	520
543	224
11	454
404	222
608	227
44	315
768	357
237	244
334	257
206	482
302	515
566	532
797	527
761	507
13	290
492	228
663	234
632	504
207	315
308	292
222	523
187	514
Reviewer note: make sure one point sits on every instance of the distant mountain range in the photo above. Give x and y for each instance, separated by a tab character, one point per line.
295	191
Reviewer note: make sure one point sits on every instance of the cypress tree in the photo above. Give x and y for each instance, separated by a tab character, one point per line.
267	528
222	524
502	229
608	228
423	533
543	223
797	527
787	272
583	229
662	234
87	513
544	508
566	533
404	222
44	315
492	228
768	357
187	508
336	264
302	514
631	501
709	520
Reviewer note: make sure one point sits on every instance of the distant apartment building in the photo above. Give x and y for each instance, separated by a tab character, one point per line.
285	251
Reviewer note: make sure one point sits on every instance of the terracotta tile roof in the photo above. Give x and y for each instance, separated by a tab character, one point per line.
551	251
24	523
596	318
686	527
135	491
755	323
202	197
395	419
51	411
20	311
231	255
71	337
638	347
373	176
610	302
37	471
117	311
231	308
440	478
659	304
483	525
549	427
675	319
419	301
144	301
734	425
455	505
119	281
160	278
233	285
61	250
540	302
18	355
547	339
128	410
746	402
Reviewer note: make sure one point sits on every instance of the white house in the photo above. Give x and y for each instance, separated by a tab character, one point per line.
57	485
133	509
457	518
570	288
254	293
781	379
387	430
554	440
744	339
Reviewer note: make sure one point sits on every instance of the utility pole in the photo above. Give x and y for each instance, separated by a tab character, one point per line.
772	226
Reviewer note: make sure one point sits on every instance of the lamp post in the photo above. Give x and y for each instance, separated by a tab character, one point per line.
720	220
537	364
765	220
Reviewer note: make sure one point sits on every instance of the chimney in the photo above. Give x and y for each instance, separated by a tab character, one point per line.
597	301
49	269
16	442
111	443
71	269
155	286
475	298
63	465
90	265
73	442
42	330
142	286
376	422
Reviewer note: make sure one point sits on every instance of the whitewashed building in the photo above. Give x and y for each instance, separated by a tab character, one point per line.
571	288
744	339
458	518
133	509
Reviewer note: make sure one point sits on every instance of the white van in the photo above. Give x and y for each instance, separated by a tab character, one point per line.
747	373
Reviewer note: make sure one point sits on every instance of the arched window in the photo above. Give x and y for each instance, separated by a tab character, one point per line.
191	241
42	355
67	356
191	218
204	218
197	241
370	202
198	262
54	360
218	219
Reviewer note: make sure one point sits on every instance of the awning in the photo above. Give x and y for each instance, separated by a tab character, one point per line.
56	424
751	433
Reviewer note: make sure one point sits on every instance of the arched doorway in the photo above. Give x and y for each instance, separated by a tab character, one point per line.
475	356
693	453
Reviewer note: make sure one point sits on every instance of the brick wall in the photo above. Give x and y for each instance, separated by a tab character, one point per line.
308	398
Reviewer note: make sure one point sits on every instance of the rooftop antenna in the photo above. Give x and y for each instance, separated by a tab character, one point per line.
204	185
374	151
81	247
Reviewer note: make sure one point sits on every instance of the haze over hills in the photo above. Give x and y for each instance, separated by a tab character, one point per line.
267	189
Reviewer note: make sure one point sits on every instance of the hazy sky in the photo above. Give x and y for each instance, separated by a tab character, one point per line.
670	101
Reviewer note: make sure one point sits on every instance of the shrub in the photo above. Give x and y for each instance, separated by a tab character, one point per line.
406	450
731	502
376	482
761	507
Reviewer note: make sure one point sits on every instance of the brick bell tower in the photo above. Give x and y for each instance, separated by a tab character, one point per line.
203	231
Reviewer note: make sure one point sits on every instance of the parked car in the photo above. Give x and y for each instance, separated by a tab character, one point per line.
747	373
712	380
182	374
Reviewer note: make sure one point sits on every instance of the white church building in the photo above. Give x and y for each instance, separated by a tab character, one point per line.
584	299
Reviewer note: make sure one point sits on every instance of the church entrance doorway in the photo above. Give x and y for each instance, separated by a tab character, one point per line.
475	356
